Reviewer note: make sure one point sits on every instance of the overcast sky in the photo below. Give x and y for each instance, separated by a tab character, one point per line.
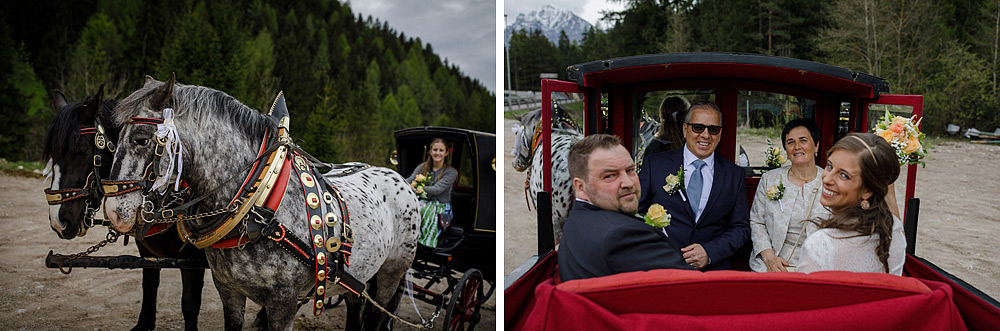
589	10
463	31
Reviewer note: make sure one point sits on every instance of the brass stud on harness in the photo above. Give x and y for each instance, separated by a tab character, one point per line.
312	200
333	244
320	290
316	222
331	219
327	197
321	259
319	305
307	180
299	162
318	240
321	275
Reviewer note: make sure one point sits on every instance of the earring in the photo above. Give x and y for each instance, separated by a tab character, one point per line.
865	205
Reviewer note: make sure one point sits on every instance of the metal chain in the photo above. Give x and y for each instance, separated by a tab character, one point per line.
111	238
228	209
428	325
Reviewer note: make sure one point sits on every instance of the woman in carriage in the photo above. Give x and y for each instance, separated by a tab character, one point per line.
432	180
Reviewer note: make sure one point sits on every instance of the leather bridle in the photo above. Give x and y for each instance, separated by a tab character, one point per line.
91	190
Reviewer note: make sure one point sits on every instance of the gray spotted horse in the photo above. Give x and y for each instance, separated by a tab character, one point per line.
272	230
528	153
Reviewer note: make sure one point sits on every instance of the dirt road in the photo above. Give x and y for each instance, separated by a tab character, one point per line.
959	223
33	297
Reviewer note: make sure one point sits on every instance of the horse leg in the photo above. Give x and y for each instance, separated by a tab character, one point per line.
394	304
150	285
354	307
193	281
233	305
385	295
261	320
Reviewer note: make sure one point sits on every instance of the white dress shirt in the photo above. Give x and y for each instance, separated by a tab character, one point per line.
706	174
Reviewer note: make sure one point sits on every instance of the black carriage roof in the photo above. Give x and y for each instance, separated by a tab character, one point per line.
439	131
742	66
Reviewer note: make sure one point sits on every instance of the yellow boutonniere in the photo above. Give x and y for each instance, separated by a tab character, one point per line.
775	192
657	216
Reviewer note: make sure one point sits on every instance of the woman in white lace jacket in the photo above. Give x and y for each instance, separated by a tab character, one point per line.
777	221
862	235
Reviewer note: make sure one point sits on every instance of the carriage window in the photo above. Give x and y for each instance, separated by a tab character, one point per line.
567	111
646	118
761	116
466	173
877	110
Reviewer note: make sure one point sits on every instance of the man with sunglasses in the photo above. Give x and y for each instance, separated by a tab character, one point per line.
709	213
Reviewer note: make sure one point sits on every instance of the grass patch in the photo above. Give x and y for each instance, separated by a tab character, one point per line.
519	112
769	132
22	168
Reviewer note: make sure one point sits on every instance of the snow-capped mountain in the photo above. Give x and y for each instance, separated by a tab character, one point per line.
550	21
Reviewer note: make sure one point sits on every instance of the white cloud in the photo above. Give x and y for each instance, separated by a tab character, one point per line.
463	31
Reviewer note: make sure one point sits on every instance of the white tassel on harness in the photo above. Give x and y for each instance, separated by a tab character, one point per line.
47	172
519	135
173	152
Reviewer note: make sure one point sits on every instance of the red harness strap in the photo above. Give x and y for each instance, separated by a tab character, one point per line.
273	201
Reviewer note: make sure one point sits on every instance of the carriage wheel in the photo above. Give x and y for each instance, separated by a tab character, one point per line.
463	310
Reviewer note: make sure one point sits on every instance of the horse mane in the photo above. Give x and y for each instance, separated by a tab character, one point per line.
62	135
204	103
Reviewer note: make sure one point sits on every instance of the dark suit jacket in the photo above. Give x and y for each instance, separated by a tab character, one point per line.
725	223
599	242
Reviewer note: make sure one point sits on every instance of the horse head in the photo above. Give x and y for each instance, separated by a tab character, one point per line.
79	146
525	133
174	133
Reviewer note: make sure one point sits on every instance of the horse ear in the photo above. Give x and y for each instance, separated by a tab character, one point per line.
164	94
149	80
58	100
93	106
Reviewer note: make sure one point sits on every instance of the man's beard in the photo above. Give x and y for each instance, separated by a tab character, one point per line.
627	207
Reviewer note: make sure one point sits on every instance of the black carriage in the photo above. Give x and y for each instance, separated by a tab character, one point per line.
464	258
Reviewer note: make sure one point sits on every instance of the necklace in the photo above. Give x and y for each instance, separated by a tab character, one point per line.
790	172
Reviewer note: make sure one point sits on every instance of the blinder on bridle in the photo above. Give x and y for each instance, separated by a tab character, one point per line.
151	200
91	189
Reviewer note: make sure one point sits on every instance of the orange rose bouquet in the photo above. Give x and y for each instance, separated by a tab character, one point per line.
904	135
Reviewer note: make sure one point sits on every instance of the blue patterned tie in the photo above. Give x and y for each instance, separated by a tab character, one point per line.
694	186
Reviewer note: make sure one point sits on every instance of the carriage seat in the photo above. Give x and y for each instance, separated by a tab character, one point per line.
686	299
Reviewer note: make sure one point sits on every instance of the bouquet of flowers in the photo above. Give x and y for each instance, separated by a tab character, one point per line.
904	135
774	157
418	185
657	216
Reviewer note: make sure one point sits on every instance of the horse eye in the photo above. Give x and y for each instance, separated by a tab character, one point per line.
140	141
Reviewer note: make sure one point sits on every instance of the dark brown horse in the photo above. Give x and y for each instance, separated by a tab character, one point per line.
79	145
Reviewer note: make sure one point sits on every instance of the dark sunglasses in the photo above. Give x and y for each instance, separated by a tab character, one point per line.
699	128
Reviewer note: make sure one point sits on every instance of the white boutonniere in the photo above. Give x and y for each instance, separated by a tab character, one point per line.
657	216
776	192
675	182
